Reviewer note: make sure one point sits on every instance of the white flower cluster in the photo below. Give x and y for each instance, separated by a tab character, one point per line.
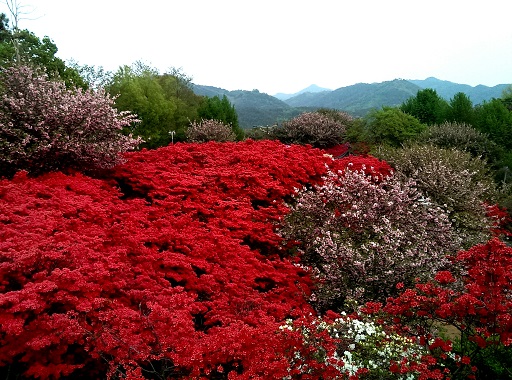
365	344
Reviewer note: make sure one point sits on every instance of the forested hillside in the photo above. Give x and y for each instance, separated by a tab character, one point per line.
254	108
447	89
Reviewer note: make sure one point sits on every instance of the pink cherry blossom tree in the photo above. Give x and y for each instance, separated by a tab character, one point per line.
45	127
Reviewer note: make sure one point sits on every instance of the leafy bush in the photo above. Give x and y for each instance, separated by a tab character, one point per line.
45	127
167	268
364	233
459	183
389	126
209	130
320	130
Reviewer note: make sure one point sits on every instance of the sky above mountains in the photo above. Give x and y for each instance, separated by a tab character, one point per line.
284	45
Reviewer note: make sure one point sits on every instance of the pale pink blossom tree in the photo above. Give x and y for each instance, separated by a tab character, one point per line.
45	127
362	235
209	130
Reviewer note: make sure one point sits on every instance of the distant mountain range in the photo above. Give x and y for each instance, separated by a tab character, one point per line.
313	89
258	109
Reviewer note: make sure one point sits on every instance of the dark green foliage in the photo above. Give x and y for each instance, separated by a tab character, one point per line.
460	109
506	97
220	109
388	126
427	106
494	362
495	119
164	103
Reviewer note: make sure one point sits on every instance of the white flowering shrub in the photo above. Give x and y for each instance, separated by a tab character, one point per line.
460	136
319	129
363	348
459	183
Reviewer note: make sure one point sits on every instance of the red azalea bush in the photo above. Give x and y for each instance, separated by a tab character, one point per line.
169	266
478	305
175	271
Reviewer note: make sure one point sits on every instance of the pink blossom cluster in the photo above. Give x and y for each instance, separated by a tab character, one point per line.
44	126
209	130
363	233
314	128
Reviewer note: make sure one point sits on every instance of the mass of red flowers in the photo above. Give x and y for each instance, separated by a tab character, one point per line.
168	265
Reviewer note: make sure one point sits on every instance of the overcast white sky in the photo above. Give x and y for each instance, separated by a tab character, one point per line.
285	45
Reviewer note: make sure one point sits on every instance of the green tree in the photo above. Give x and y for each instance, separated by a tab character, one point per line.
427	106
494	118
460	109
221	109
163	103
95	77
390	126
506	97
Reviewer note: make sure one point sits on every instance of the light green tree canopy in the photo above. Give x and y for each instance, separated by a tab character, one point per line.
164	103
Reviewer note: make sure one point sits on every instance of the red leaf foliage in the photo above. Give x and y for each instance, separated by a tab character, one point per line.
169	265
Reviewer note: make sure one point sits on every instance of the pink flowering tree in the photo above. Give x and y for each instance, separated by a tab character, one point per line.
364	233
46	127
209	130
321	130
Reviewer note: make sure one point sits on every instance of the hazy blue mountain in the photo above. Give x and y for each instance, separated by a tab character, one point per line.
254	108
209	91
359	98
447	89
313	89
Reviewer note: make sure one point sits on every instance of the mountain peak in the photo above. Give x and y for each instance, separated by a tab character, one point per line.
312	88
